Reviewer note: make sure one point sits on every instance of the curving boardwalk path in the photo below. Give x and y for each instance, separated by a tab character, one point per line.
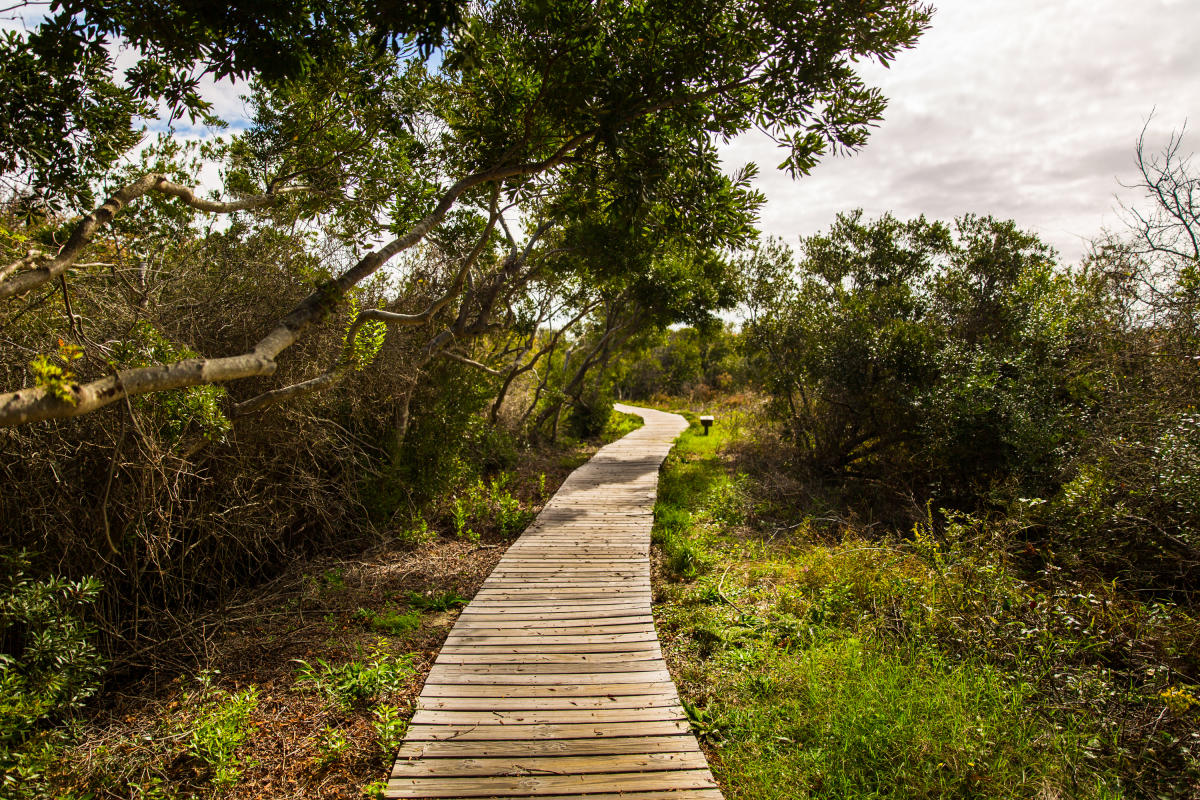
551	683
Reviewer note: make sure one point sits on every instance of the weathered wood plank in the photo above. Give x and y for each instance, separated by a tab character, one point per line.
537	748
447	675
489	704
447	669
553	765
535	785
548	716
542	647
480	731
548	658
597	628
546	690
474	621
529	637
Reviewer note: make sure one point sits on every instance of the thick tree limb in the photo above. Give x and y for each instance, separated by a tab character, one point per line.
36	404
28	260
334	374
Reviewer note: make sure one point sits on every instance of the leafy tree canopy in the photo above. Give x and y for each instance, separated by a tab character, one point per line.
66	115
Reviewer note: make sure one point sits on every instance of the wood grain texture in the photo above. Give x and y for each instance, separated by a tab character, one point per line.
551	683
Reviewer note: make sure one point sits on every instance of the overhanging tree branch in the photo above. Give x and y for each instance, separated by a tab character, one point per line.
50	268
39	403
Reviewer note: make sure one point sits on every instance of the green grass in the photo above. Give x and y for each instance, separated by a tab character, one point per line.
844	718
619	424
693	481
844	670
390	619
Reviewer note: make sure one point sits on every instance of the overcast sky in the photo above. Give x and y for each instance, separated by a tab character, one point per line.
1023	109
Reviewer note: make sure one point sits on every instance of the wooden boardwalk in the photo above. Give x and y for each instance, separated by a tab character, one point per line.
552	684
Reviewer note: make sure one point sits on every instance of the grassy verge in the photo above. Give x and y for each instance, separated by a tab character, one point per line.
909	664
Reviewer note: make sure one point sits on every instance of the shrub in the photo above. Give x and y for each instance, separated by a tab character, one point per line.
48	666
589	417
954	363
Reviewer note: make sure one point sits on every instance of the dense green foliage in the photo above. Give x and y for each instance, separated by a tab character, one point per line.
48	667
683	361
68	115
959	358
914	363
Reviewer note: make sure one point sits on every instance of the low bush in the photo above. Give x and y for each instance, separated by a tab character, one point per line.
359	681
48	666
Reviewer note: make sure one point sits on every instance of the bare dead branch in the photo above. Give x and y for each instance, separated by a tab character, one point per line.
470	362
50	268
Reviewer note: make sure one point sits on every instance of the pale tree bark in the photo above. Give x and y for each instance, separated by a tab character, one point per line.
617	331
40	403
335	374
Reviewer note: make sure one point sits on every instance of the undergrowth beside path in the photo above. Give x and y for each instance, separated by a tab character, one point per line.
835	661
306	686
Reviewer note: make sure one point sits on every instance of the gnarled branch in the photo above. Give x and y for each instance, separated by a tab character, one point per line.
39	403
470	362
50	268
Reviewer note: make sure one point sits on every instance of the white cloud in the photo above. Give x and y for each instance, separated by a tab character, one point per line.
1017	108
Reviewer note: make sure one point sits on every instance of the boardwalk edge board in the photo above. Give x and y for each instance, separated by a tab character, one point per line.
551	683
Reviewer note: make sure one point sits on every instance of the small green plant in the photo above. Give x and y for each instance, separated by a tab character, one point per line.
683	557
436	601
375	790
53	373
153	788
390	726
334	579
332	745
489	503
217	726
416	534
704	724
353	683
460	518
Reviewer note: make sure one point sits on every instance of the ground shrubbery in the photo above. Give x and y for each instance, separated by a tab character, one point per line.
824	658
910	363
